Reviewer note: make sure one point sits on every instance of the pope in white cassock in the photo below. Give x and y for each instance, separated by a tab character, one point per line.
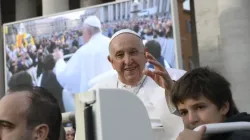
87	62
127	56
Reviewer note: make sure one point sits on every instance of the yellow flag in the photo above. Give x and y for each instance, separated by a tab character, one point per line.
6	30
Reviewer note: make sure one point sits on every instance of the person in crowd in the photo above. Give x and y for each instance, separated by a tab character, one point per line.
29	113
62	133
33	56
49	81
149	34
80	39
211	94
75	74
167	47
154	48
201	96
8	74
127	57
26	60
21	78
136	28
75	42
70	134
82	66
51	46
40	56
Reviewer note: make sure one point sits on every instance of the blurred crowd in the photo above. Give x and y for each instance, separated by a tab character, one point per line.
149	28
24	57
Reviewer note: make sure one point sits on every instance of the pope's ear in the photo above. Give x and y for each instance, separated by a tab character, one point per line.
109	59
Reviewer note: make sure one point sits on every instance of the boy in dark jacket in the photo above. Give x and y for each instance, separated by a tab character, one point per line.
203	96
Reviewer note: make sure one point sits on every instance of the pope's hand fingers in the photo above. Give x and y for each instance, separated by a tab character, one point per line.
159	73
148	73
164	74
156	78
167	79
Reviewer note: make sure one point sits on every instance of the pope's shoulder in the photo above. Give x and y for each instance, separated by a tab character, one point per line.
104	82
93	45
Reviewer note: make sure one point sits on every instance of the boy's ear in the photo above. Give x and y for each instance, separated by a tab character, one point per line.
225	108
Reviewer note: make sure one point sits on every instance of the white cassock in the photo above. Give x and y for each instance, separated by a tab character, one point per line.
153	98
86	63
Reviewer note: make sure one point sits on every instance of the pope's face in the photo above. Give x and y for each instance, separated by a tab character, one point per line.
127	56
86	34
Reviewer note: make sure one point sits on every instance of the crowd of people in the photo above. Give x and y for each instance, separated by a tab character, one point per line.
23	57
176	98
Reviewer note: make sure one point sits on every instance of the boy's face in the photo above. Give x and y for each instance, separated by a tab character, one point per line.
196	112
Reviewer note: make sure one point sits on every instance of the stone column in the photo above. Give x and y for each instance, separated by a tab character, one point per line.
234	47
126	10
86	3
25	9
102	18
54	6
148	4
121	10
131	15
160	6
113	11
144	5
154	3
106	13
167	8
110	11
116	12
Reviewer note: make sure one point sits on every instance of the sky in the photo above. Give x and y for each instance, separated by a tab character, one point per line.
70	15
186	5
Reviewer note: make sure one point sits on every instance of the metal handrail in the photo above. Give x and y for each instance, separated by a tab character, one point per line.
224	127
67	56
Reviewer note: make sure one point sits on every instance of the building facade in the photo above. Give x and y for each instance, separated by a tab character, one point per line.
223	37
14	10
